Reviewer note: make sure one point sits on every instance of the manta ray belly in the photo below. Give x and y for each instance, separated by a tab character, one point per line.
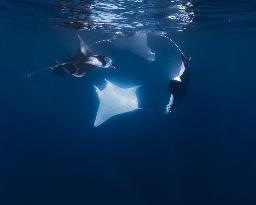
94	61
115	101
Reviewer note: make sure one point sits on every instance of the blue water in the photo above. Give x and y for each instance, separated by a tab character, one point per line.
202	153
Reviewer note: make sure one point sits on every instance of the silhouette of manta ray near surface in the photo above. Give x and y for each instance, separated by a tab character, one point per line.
84	61
80	64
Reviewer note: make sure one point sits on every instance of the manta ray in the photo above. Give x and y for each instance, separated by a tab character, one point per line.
178	85
84	61
136	42
115	101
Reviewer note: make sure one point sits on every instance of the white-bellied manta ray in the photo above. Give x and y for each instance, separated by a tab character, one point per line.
84	61
115	101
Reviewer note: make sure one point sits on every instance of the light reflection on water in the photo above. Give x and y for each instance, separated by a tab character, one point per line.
106	14
141	14
112	15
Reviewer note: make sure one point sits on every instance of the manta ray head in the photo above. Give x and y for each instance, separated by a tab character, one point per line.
108	62
99	61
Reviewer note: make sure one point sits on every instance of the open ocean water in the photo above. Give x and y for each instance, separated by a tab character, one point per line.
202	153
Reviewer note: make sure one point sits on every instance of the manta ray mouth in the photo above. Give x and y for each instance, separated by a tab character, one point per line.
108	62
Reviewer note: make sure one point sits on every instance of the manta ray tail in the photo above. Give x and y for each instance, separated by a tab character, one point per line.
29	75
176	45
37	72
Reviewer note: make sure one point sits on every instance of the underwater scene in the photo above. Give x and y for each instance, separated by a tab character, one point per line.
128	102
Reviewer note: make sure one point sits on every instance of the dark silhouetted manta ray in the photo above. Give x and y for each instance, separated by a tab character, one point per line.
84	61
178	85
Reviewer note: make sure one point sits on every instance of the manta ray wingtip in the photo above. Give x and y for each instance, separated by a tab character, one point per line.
96	124
78	36
97	89
108	82
135	88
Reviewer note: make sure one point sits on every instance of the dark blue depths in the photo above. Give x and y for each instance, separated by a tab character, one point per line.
202	153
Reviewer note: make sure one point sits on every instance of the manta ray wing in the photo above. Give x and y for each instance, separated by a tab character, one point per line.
115	101
84	48
178	86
